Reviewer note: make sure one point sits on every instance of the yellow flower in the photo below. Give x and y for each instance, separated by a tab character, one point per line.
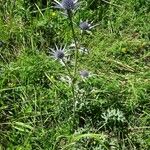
124	50
53	14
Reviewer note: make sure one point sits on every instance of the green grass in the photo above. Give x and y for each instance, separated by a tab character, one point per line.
36	103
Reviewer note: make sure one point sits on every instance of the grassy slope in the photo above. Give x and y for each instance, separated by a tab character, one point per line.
36	107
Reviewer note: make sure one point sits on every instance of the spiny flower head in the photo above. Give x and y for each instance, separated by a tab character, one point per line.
58	53
66	4
86	26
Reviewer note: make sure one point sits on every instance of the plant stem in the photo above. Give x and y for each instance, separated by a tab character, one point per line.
75	41
67	67
75	66
72	88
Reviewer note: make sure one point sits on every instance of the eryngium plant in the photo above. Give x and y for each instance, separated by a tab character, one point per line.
69	6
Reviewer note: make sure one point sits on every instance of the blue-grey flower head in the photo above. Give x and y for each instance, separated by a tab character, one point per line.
66	4
58	53
84	73
86	26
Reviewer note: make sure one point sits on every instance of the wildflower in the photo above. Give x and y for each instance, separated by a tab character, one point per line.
84	73
53	14
86	26
58	53
66	4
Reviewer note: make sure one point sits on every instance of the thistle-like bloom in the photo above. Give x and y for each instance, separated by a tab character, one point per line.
58	53
68	5
84	73
86	26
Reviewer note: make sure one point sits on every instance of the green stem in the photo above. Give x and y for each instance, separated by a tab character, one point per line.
67	68
72	89
75	66
75	41
72	85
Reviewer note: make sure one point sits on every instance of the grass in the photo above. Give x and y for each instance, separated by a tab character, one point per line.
112	106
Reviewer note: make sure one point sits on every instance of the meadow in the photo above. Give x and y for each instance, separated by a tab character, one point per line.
75	75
